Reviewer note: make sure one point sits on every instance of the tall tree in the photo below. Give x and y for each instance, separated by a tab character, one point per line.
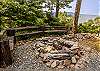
60	4
76	16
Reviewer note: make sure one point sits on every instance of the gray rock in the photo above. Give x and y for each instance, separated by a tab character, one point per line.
49	63
69	44
61	40
61	64
55	63
66	49
72	66
67	62
74	60
37	53
57	45
45	56
75	46
39	44
77	57
42	55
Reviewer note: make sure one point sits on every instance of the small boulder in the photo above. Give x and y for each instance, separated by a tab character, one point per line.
68	44
75	51
74	60
48	48
45	56
61	64
88	49
67	62
79	66
75	46
61	40
39	44
37	53
77	57
42	55
55	51
72	66
70	36
79	53
66	49
49	63
56	45
55	63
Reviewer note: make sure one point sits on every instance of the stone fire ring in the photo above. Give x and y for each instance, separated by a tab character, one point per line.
59	53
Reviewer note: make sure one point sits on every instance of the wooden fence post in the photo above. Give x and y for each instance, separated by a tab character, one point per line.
1	55
42	28
5	54
11	37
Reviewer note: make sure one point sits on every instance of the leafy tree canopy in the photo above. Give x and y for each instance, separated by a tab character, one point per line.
17	13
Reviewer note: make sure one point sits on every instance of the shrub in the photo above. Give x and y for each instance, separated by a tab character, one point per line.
88	27
16	14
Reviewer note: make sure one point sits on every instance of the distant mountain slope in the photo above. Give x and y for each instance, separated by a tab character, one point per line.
83	17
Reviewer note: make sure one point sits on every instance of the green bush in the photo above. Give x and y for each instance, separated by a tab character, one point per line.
62	20
54	22
65	20
51	20
18	14
88	27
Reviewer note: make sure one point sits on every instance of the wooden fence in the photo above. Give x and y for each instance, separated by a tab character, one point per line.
6	45
5	53
41	29
35	30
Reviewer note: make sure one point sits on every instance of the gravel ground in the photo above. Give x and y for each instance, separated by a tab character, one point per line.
90	61
26	59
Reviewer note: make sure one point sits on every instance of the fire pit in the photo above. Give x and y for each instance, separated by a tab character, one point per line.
58	52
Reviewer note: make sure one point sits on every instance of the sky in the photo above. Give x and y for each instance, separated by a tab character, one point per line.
91	7
99	7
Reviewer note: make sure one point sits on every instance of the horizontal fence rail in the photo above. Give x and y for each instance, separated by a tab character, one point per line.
41	29
33	30
28	27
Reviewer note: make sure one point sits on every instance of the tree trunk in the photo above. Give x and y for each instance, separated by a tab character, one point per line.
57	8
76	16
